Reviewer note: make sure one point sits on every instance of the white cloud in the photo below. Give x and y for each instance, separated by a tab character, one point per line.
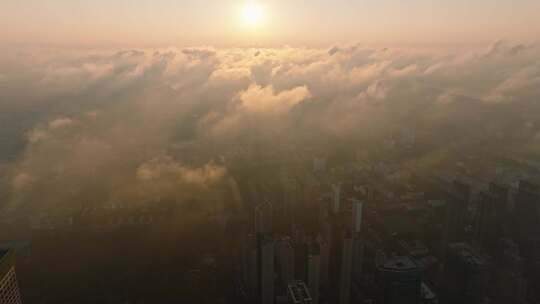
60	123
166	168
41	133
111	115
37	135
22	180
266	100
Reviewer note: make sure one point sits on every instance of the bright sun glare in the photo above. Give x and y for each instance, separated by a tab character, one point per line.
253	14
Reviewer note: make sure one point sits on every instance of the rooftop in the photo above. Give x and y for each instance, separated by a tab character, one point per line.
401	263
299	292
467	254
427	293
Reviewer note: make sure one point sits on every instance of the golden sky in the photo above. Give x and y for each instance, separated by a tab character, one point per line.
293	22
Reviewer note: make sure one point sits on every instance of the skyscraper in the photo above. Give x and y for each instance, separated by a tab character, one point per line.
510	283
265	252
501	194
301	252
466	275
314	272
357	207
267	270
346	269
336	198
358	257
286	261
400	279
324	250
526	210
458	201
299	293
319	164
358	245
250	266
263	218
485	223
9	289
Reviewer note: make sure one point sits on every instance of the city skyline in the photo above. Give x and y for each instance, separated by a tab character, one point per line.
270	151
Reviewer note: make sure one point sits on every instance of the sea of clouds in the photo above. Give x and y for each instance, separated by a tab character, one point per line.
136	124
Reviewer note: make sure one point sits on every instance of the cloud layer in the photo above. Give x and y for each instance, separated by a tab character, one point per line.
137	124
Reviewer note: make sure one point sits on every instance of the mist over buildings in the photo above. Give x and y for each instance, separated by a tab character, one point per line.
135	126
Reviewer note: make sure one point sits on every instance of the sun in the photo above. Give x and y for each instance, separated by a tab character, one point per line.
253	14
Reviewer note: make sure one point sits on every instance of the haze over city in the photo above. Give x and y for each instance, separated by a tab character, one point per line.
255	151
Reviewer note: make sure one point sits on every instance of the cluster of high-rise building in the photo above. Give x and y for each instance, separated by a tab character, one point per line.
366	234
307	264
353	235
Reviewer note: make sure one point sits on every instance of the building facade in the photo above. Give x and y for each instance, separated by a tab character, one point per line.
9	289
400	279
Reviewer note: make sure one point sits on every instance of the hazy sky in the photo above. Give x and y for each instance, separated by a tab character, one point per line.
219	22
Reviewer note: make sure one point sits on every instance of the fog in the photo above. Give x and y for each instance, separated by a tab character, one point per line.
135	126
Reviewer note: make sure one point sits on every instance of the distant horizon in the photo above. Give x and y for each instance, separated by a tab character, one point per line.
442	47
162	23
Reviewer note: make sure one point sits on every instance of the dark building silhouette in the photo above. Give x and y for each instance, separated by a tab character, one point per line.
298	293
526	211
466	275
263	218
266	274
250	265
346	268
286	261
459	196
486	225
509	282
314	272
9	289
301	251
501	194
400	279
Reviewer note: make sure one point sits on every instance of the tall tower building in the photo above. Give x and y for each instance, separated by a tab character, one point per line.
346	269
314	272
263	218
301	253
510	284
357	207
250	271
400	279
267	270
502	195
336	201
486	220
459	197
526	210
319	164
9	289
286	261
358	245
358	257
467	275
291	200
324	250
299	293
265	252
